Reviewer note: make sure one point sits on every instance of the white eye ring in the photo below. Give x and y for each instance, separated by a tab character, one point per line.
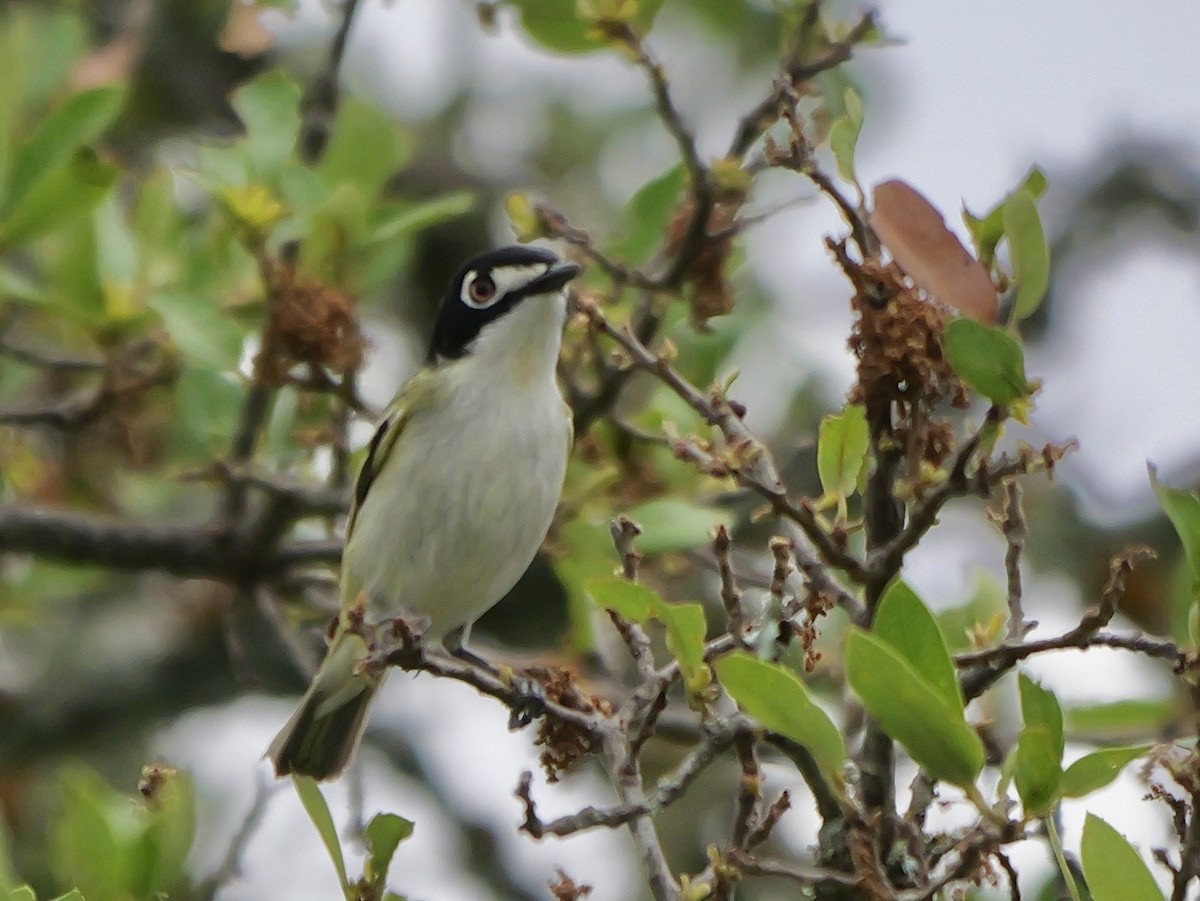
479	291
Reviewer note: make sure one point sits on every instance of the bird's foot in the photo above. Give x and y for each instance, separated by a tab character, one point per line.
529	695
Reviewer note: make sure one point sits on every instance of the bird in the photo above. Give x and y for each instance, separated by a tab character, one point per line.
457	491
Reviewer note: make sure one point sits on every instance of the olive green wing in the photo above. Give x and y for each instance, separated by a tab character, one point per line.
415	396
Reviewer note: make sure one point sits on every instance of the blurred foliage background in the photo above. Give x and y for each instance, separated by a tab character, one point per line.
168	173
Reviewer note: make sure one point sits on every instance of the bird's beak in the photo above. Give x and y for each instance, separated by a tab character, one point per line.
553	279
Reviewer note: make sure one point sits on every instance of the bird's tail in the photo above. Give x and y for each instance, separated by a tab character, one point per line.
325	729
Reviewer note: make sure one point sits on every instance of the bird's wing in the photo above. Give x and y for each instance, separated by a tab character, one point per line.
416	395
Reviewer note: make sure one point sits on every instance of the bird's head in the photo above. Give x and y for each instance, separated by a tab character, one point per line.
490	286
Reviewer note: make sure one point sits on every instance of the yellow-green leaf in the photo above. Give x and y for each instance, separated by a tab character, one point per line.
1029	250
988	359
842	444
69	191
1183	510
1039	749
778	699
383	835
685	623
904	622
988	230
1113	869
910	710
318	812
79	121
1094	771
843	134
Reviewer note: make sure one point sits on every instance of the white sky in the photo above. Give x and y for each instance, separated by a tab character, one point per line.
978	93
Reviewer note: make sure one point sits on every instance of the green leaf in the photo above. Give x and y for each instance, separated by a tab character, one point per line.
204	333
648	214
85	849
171	830
842	444
74	276
988	231
206	403
685	623
675	524
843	134
904	622
80	120
116	249
383	835
912	711
15	285
269	109
1113	869
986	610
64	193
632	600
1183	509
778	699
556	25
1119	718
25	893
8	872
686	628
1096	770
364	148
416	217
318	812
73	895
1039	749
988	359
1029	250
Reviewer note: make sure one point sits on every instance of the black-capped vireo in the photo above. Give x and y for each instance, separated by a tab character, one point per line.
458	488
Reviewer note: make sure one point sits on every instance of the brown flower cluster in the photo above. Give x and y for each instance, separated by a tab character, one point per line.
897	339
310	322
564	744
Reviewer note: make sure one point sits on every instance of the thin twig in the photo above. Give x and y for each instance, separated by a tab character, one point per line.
731	595
753	466
320	103
988	665
760	117
231	863
1015	531
746	814
809	876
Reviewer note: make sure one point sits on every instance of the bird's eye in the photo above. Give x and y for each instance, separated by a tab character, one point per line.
482	290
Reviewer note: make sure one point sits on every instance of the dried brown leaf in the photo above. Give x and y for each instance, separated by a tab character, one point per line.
929	253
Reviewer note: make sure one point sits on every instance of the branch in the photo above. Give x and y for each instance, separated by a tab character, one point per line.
809	876
967	856
587	818
753	467
89	405
731	595
626	777
319	106
988	665
829	805
796	73
1015	532
187	550
41	360
885	561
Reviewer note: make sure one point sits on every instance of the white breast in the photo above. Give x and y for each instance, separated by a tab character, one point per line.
473	484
